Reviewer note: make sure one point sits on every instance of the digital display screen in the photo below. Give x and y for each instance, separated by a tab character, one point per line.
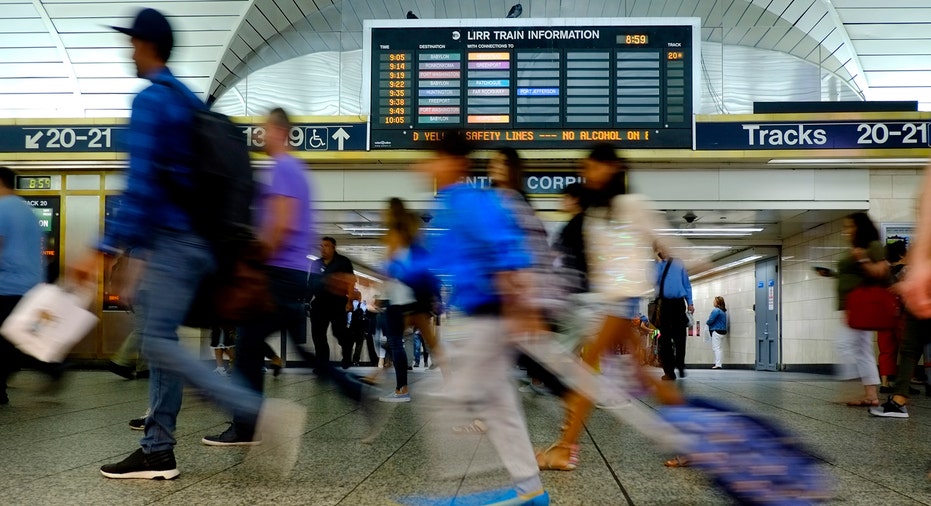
565	83
48	214
33	183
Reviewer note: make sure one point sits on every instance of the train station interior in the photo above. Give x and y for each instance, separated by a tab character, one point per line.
763	126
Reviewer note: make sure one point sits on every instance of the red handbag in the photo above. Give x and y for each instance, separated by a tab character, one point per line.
872	308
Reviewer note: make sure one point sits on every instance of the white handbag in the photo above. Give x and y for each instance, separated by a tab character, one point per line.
49	321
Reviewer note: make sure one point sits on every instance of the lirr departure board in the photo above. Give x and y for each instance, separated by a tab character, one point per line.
533	83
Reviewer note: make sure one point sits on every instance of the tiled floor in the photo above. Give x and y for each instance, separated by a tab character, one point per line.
51	448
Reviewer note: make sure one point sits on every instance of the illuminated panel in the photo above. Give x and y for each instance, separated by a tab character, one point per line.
532	83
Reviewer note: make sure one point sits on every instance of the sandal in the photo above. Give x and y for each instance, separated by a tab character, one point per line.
677	461
865	403
547	460
477	427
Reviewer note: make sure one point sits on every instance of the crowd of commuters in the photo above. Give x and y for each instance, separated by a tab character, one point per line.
509	290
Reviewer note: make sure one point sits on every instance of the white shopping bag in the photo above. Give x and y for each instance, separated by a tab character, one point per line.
48	321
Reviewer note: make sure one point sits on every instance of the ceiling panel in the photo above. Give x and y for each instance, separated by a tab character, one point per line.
14	70
282	29
897	62
878	4
796	9
27	40
886	15
19	10
27	25
898	31
36	84
892	46
95	9
900	78
754	35
274	15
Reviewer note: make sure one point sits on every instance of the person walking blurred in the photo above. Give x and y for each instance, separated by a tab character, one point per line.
485	257
20	264
153	218
863	264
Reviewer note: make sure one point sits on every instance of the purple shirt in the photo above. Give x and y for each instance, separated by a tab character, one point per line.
289	180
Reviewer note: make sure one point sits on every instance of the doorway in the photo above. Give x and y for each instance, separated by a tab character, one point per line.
767	314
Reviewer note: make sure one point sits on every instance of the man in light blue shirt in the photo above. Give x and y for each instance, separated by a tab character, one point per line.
674	293
20	263
482	249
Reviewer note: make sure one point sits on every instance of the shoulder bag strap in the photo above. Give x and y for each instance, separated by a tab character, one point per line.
662	280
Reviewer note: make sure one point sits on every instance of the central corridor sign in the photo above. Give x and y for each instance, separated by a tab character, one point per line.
771	135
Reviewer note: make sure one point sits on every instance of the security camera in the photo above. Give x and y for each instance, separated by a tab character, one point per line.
690	217
426	217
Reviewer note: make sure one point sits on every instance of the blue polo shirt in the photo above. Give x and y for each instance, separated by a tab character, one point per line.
477	239
677	285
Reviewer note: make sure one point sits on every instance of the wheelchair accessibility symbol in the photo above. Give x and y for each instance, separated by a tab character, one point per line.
317	138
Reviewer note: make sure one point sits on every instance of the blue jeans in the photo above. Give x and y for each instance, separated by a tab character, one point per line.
177	263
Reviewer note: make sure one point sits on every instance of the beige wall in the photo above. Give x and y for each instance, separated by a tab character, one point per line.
737	288
809	304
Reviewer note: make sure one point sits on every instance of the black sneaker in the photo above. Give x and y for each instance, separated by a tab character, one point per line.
890	409
137	423
153	466
230	437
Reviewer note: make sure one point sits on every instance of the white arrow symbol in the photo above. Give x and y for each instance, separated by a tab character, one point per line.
32	142
341	136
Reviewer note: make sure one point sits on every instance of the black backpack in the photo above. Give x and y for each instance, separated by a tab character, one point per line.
219	198
219	201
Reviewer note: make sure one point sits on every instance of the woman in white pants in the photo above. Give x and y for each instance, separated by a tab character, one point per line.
717	325
865	263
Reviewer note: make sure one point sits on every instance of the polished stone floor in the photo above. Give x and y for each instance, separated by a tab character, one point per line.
52	446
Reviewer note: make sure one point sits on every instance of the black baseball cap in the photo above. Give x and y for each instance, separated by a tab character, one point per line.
150	25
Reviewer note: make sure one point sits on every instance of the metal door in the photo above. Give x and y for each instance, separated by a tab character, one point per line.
767	314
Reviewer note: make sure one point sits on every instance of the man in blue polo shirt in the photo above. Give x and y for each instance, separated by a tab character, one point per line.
676	298
484	253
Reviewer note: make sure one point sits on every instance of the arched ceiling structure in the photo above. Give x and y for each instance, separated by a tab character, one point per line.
58	58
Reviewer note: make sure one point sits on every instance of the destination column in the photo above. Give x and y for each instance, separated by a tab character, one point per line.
439	88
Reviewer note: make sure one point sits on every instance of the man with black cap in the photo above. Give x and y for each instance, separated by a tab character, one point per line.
153	221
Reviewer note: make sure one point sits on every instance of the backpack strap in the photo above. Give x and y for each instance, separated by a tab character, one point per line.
662	280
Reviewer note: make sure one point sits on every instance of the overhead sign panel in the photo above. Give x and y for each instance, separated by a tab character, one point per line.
557	83
775	135
112	138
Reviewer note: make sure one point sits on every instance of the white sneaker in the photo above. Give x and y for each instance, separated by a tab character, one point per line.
396	397
280	427
221	371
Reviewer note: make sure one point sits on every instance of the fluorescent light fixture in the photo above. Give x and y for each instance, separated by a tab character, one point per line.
729	265
368	276
901	162
708	234
714	229
352	228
